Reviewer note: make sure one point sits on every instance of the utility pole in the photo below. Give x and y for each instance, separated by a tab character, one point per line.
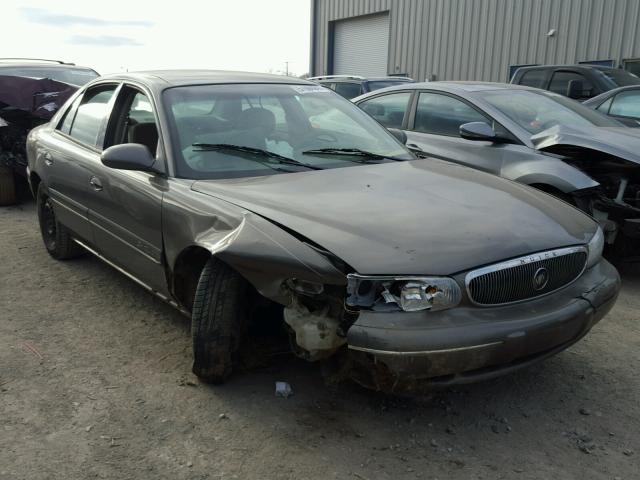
286	68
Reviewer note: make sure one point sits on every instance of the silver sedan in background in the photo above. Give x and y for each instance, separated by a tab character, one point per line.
528	135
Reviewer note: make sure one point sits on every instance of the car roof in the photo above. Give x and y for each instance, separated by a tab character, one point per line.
459	87
62	66
38	63
176	78
584	66
357	78
609	93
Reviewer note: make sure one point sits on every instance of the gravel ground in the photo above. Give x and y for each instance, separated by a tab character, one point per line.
95	382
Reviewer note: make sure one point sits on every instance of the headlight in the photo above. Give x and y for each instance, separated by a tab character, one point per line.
595	246
429	294
411	294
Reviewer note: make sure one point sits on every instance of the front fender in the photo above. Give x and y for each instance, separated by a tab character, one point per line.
549	171
262	252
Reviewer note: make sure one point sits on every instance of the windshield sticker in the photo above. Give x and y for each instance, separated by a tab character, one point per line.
303	90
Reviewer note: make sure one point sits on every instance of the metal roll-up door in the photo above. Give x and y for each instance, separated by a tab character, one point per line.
361	46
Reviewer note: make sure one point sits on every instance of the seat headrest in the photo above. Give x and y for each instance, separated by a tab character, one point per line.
146	134
257	118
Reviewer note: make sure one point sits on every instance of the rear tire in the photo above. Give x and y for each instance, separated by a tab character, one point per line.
55	236
218	321
7	187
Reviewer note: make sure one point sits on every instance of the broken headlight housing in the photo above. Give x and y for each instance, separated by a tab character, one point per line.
410	294
595	247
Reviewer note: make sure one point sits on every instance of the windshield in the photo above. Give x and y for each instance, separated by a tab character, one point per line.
618	78
242	130
378	84
538	111
73	76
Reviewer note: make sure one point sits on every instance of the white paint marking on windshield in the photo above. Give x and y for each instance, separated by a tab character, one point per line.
302	90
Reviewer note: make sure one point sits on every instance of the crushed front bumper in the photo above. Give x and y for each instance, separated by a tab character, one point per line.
405	351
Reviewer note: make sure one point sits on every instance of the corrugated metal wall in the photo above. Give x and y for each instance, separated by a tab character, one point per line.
479	39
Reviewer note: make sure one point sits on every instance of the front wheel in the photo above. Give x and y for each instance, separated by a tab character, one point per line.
55	236
218	321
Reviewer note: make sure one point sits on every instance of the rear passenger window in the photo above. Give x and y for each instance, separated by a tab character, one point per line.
348	90
67	120
560	83
92	112
442	115
389	110
533	78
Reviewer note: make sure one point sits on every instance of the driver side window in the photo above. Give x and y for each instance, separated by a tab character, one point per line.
135	121
442	115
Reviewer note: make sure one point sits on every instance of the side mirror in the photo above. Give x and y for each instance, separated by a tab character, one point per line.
399	134
129	156
575	89
479	131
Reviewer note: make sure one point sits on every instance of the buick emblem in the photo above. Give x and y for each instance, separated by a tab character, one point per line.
540	279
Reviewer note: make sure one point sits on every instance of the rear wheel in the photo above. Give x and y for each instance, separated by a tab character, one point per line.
218	321
7	187
55	236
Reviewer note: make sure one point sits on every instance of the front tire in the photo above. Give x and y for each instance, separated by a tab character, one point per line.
55	236
7	187
218	321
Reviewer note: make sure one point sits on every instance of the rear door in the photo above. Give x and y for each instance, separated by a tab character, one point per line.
125	206
71	154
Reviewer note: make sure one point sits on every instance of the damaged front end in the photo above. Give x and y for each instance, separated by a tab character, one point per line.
615	203
317	319
611	157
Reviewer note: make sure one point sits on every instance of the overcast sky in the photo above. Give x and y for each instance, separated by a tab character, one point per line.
251	35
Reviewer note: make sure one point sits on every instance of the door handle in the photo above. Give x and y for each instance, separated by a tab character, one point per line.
48	159
95	183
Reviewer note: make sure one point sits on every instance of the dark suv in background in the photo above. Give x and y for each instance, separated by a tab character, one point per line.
54	69
351	86
579	82
31	91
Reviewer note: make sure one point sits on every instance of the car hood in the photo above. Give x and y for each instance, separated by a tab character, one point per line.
620	142
411	218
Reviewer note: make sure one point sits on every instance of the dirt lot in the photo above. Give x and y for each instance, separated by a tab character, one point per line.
95	382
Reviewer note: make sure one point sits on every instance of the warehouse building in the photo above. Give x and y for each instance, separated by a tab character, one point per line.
470	39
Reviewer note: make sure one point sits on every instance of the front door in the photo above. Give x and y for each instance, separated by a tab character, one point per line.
125	211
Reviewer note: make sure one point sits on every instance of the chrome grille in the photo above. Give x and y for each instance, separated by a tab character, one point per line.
526	277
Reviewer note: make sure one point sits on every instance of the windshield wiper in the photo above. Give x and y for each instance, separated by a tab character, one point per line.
349	151
277	158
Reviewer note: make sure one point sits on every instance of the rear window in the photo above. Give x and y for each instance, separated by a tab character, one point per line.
618	78
348	90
